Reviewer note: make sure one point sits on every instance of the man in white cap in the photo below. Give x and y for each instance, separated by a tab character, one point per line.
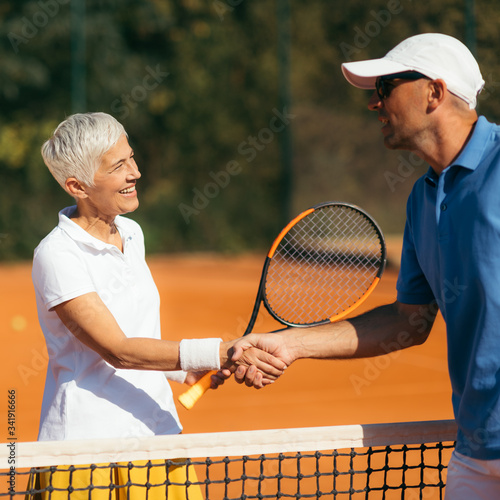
425	94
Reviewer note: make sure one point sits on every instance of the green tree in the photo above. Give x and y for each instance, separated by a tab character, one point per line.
195	83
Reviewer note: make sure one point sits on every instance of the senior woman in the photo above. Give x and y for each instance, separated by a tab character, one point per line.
98	307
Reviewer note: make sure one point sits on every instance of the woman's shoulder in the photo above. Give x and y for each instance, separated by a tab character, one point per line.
55	240
55	248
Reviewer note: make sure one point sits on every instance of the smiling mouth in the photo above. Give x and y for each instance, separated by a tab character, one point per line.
127	190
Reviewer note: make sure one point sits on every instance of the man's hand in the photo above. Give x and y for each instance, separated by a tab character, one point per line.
253	360
273	344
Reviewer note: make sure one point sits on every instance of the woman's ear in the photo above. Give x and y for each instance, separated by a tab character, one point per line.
75	188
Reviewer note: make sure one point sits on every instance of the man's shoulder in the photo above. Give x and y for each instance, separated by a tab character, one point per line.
486	127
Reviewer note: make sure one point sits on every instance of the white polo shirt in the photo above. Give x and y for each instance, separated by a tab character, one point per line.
84	396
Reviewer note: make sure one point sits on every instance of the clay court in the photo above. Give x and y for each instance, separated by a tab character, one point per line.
212	295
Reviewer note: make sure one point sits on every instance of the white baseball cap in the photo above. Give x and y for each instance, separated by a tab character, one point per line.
434	55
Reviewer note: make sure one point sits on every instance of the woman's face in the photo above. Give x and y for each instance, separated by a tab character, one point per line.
114	191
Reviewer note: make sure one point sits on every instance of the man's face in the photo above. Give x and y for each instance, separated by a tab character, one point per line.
402	112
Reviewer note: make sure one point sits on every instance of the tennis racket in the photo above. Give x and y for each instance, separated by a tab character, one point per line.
322	266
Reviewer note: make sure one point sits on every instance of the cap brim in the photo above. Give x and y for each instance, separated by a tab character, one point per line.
363	74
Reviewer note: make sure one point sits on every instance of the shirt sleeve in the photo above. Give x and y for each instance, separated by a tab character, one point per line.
412	285
59	274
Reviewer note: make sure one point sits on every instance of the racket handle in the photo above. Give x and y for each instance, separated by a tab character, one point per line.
189	398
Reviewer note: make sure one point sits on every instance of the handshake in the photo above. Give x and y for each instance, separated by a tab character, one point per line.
256	360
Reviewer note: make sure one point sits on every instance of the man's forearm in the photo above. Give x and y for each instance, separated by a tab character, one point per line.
380	331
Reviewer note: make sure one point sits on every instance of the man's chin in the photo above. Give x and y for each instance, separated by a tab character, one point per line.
390	144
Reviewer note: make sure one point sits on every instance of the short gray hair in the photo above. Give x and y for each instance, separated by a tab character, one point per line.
78	145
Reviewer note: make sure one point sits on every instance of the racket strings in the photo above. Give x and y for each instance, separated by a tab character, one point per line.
324	264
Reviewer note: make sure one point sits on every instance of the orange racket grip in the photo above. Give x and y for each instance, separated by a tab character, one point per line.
189	398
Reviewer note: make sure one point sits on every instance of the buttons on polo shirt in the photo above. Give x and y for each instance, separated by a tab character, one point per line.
442	223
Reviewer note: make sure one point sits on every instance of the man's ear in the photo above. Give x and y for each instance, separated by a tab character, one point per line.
437	93
75	188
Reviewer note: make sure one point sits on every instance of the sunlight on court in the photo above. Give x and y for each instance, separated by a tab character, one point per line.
18	323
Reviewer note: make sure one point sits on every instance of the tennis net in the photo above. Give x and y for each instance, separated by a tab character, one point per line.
378	461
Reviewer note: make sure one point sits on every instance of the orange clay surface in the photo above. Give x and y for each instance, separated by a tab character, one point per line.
211	295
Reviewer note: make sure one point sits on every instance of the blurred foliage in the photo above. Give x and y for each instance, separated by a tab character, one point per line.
195	83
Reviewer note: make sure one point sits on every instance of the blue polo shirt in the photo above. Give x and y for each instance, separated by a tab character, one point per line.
451	255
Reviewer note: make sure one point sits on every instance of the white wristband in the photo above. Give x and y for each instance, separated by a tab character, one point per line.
199	354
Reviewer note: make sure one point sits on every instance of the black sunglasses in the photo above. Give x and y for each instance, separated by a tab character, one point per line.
384	88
